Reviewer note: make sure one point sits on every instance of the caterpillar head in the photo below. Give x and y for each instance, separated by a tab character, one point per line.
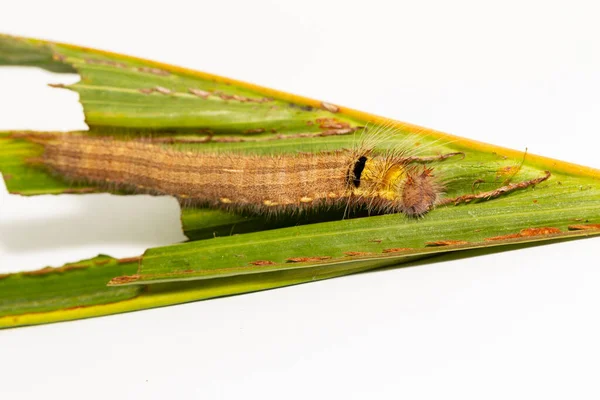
419	192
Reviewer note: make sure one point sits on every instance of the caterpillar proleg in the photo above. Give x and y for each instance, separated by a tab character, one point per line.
384	182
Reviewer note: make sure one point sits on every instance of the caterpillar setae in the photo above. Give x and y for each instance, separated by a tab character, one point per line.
384	182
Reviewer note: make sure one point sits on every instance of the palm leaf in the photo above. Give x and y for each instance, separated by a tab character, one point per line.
183	109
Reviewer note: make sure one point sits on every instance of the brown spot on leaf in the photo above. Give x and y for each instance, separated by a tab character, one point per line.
330	107
163	90
528	232
2	276
397	250
254	131
301	107
105	62
584	227
539	231
146	90
200	93
7	177
101	262
438	243
155	71
262	262
239	98
306	259
504	237
57	85
129	259
333	132
120	280
331	123
357	253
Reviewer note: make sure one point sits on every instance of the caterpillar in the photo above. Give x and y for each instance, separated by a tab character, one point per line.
388	182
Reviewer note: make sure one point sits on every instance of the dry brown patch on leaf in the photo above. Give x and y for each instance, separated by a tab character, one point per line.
527	232
306	259
110	63
329	107
129	259
242	99
446	243
584	227
163	90
120	280
357	253
333	132
397	250
155	71
331	123
200	93
262	262
101	262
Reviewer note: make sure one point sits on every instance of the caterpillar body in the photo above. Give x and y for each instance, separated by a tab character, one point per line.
387	182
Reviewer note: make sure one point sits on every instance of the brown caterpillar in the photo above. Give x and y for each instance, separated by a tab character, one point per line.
259	184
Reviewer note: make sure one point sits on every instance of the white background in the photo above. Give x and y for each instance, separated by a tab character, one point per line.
521	324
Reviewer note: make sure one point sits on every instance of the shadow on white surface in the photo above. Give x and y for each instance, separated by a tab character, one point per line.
38	229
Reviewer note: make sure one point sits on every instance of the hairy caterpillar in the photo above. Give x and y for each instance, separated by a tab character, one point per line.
388	182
